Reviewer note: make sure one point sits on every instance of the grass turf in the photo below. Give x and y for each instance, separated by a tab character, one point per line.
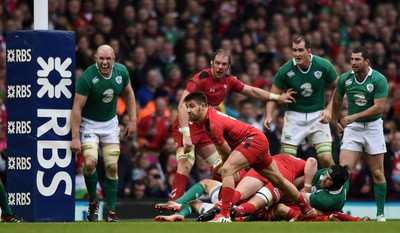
136	226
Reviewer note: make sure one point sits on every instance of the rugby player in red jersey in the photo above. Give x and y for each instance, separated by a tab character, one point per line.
240	145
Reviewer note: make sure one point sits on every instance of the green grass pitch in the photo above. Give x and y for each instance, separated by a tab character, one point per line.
136	226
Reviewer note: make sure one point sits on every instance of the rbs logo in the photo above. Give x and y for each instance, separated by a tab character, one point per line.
19	198
19	55
19	163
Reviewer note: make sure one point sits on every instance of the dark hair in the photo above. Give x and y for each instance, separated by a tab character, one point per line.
223	52
198	96
364	52
339	175
299	39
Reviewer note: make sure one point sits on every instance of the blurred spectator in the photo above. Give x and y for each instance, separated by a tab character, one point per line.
139	189
155	186
146	92
150	107
395	151
249	114
140	165
154	129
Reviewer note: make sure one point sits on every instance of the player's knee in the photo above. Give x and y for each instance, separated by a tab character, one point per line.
280	210
110	156
227	171
90	152
112	171
378	174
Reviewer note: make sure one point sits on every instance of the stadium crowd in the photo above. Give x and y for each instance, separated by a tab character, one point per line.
163	43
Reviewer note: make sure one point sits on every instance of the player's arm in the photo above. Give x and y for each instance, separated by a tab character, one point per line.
79	102
326	115
310	169
129	98
264	95
376	109
270	107
183	118
336	109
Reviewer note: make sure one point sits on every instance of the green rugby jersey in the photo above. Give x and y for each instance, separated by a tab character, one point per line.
325	200
309	85
102	93
361	95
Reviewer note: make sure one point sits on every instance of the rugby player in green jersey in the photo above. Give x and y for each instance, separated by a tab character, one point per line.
366	91
94	124
308	117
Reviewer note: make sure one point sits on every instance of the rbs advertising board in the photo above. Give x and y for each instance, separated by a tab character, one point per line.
40	87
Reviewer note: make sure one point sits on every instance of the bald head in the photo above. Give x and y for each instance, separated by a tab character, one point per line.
105	58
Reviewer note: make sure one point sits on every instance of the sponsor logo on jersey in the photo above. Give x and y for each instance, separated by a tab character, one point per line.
108	95
306	89
360	100
318	74
370	87
278	195
212	90
348	82
288	137
95	80
290	74
118	79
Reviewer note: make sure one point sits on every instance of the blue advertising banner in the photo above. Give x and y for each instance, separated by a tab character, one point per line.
40	87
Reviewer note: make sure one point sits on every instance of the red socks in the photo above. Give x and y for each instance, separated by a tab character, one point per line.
245	209
178	186
226	198
303	204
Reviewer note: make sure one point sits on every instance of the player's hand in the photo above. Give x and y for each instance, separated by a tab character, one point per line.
187	144
287	97
338	129
130	129
325	117
347	120
76	146
266	123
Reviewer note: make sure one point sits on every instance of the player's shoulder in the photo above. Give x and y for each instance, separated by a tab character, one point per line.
119	67
346	75
377	74
204	74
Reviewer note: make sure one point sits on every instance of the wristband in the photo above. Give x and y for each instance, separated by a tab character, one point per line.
307	185
185	131
273	96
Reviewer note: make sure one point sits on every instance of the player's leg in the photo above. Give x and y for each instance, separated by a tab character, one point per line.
320	137
375	163
197	190
110	154
375	148
248	186
90	155
232	165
